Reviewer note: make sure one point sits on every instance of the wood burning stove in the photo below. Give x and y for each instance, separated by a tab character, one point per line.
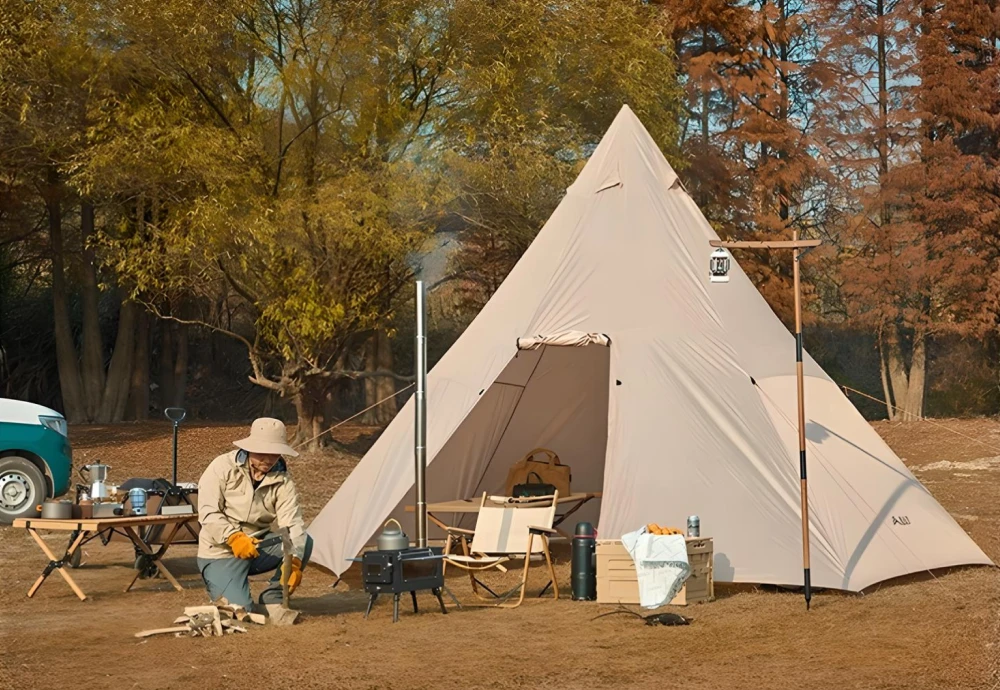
403	570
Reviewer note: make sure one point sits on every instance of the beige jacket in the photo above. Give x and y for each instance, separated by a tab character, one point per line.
228	503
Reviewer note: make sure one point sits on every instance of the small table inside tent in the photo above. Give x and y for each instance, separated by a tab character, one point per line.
567	506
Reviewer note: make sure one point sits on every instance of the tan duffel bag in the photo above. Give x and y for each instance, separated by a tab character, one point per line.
548	471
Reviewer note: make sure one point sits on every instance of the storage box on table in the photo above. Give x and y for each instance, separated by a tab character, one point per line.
617	581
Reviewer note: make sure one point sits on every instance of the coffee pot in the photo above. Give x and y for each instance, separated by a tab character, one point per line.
97	477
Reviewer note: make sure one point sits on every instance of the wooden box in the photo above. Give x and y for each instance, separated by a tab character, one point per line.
617	581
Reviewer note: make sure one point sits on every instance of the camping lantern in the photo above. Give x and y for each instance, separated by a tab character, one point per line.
718	266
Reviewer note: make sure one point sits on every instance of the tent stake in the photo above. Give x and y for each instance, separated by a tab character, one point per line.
420	430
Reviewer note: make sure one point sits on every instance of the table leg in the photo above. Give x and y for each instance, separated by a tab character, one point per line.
154	556
56	564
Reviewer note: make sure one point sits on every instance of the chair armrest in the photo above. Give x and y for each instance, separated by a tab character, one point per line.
459	529
541	530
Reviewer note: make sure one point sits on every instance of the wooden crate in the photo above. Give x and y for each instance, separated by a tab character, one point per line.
617	581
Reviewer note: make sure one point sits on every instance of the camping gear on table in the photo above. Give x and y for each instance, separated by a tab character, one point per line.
529	488
618	583
56	510
658	391
107	509
506	528
584	565
137	501
97	477
549	472
392	539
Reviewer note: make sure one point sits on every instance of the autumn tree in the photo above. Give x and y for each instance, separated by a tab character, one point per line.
539	84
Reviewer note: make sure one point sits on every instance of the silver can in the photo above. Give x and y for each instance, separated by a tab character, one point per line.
137	499
694	526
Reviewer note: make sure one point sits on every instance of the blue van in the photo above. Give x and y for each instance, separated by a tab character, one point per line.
35	458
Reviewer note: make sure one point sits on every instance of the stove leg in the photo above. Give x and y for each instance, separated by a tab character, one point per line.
371	602
395	608
414	595
437	593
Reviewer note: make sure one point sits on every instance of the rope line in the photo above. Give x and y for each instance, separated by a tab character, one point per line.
923	419
354	416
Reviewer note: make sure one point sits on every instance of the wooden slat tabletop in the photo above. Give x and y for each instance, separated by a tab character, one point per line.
100	524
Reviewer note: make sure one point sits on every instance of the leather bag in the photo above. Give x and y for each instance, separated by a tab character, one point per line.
547	470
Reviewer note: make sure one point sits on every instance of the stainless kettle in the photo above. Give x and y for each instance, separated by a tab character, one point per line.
392	538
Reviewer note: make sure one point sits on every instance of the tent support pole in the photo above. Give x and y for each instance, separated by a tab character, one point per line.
800	386
420	428
797	246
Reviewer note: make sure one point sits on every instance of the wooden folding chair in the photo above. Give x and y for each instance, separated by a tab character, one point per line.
505	530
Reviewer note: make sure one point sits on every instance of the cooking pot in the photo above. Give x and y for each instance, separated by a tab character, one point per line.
56	510
392	538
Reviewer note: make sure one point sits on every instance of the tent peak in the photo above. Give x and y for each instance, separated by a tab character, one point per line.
626	155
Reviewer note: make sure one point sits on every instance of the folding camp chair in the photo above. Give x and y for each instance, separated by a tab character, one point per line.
505	530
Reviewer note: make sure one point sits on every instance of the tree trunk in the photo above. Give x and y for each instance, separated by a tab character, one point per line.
886	390
119	377
166	364
93	346
379	357
180	366
897	371
70	382
918	373
309	400
139	395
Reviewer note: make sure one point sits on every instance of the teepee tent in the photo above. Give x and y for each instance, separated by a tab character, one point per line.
671	395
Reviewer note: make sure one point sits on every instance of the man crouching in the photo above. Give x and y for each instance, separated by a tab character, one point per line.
242	495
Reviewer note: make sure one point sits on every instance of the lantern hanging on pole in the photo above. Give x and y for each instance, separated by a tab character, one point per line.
718	266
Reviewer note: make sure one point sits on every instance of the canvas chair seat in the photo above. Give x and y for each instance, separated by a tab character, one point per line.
506	529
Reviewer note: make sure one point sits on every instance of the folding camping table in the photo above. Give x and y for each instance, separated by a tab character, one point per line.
91	528
471	505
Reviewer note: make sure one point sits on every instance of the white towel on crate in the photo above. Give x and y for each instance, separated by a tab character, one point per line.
661	564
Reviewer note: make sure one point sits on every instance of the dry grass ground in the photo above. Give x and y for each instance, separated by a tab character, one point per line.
937	631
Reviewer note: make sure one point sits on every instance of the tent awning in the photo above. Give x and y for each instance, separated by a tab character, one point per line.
564	339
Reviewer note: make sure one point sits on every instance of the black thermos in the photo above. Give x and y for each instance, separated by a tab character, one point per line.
584	571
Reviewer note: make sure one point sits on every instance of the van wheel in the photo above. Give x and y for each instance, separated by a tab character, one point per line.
22	489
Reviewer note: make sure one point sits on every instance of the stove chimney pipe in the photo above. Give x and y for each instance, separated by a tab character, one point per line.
420	428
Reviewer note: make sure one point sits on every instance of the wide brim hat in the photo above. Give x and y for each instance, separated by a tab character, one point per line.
266	436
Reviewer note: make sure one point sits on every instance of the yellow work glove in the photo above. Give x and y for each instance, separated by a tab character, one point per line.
243	545
294	577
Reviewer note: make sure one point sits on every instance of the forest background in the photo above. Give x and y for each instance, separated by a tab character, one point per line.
223	204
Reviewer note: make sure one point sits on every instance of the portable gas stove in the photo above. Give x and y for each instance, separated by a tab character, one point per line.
403	570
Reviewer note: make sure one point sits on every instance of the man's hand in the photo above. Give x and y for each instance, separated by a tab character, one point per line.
294	577
243	545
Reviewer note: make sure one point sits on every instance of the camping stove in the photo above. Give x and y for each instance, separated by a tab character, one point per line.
402	570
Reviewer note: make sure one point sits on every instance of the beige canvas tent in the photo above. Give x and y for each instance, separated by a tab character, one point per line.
674	396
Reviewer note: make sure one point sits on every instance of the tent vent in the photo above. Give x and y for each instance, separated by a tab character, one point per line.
617	382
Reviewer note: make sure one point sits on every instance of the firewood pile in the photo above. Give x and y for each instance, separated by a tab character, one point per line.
209	621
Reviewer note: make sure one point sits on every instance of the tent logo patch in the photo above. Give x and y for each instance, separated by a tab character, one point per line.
901	520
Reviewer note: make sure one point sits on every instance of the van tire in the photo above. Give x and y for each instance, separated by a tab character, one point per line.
22	485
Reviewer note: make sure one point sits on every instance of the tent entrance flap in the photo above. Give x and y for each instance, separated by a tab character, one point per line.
564	339
550	397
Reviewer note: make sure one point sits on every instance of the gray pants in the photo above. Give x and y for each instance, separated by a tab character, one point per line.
227	577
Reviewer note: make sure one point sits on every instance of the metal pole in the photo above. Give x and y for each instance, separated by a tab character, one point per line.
420	433
175	452
800	385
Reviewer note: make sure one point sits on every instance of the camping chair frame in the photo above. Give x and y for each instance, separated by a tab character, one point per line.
504	545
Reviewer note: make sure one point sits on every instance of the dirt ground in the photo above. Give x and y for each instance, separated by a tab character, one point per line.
937	630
